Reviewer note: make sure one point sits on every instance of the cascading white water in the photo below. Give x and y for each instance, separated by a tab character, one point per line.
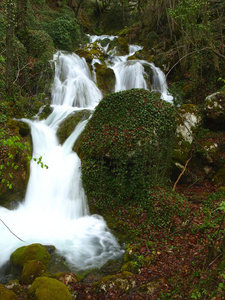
55	210
131	73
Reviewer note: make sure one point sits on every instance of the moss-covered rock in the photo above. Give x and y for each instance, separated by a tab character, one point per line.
130	266
27	253
44	288
188	121
123	281
105	79
33	269
92	51
19	289
150	287
219	177
6	294
68	125
120	45
214	111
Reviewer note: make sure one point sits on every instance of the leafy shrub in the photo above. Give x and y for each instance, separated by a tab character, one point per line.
39	42
126	146
65	33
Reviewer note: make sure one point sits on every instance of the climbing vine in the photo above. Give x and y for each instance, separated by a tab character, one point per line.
126	147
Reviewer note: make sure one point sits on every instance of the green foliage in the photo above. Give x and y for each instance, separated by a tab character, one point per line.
40	162
13	146
39	42
126	146
65	33
177	91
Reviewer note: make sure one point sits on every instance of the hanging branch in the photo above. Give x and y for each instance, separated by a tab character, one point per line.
11	231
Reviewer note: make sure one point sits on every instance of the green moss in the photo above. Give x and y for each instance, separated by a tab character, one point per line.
121	44
68	125
6	294
129	254
130	266
105	79
44	288
33	269
31	252
219	177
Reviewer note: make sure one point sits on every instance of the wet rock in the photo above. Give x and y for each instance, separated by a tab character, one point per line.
105	79
214	111
68	125
120	46
188	120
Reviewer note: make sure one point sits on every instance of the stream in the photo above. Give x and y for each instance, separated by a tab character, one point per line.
55	209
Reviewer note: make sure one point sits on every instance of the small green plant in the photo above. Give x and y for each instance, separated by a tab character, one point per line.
40	162
13	146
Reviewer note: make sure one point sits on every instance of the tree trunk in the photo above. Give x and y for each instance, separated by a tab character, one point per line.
21	18
10	16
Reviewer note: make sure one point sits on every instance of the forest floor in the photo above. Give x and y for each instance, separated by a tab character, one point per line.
185	261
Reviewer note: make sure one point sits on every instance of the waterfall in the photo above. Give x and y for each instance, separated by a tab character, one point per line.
131	73
55	209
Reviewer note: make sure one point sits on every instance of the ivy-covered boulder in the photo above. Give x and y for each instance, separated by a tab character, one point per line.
44	288
214	111
25	254
126	146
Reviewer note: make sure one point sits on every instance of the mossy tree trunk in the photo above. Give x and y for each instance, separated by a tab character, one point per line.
10	6
21	28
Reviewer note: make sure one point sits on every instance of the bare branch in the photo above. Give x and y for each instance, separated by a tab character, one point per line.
11	231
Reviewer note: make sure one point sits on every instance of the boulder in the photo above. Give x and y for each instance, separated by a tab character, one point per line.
105	78
31	270
188	122
214	111
123	281
27	253
44	288
6	294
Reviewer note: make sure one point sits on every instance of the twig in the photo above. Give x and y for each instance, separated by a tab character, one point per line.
184	169
185	57
19	70
11	231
